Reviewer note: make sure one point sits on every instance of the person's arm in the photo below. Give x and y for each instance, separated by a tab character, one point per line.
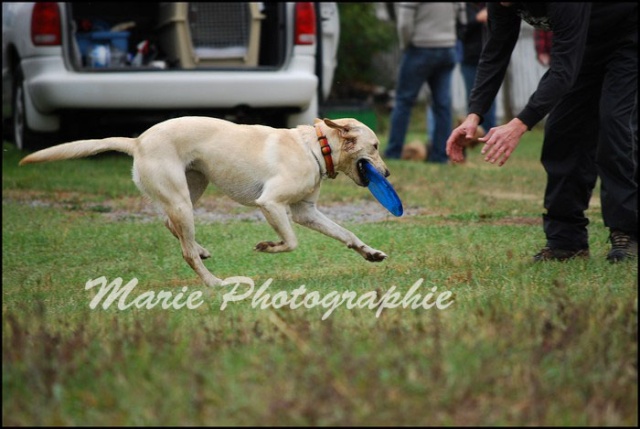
406	23
504	29
570	27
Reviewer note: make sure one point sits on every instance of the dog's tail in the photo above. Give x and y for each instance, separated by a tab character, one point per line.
82	149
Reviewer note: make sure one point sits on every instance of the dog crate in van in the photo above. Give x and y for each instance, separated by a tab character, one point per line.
211	34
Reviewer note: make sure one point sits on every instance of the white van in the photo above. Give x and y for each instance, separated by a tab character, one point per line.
86	67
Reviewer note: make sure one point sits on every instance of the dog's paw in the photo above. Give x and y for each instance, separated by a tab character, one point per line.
370	254
375	256
212	281
269	246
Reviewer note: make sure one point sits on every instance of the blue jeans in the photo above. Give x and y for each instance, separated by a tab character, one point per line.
468	75
420	65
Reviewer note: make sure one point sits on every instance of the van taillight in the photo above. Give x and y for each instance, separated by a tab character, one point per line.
305	33
45	24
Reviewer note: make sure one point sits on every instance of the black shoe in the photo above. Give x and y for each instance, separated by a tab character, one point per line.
553	254
623	247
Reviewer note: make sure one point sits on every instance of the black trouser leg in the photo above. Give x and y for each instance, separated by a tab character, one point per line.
568	157
617	152
593	122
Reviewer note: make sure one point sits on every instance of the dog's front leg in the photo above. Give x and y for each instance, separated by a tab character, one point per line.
306	214
276	215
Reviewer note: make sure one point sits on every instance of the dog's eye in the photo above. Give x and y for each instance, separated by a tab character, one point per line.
375	146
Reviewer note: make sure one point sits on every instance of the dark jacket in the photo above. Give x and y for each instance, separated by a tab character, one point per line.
575	26
471	33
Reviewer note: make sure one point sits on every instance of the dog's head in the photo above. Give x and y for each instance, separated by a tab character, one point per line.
356	143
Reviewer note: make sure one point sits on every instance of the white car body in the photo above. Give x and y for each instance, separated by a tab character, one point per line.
52	86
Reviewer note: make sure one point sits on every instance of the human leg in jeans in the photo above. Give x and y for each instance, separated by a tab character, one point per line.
468	72
439	80
410	80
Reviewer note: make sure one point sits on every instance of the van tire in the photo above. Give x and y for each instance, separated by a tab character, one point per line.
23	137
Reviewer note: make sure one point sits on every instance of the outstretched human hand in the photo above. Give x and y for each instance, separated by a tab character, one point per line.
461	137
500	142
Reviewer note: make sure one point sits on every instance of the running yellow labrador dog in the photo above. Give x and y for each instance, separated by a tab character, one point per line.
277	170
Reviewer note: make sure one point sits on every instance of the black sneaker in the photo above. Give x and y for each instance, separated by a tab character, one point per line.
553	254
623	247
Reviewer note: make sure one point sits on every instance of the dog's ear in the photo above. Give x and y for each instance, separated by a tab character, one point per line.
316	121
347	134
343	130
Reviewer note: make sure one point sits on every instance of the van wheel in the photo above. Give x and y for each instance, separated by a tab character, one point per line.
23	137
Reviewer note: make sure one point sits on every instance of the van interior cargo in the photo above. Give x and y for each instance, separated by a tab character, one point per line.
196	35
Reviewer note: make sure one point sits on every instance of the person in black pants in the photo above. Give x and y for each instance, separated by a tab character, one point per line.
590	94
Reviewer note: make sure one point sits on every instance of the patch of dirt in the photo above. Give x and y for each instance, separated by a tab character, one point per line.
209	209
221	209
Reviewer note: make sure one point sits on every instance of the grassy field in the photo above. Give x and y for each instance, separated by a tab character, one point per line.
521	343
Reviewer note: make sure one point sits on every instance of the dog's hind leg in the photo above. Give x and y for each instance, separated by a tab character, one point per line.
197	183
166	183
181	218
204	253
276	215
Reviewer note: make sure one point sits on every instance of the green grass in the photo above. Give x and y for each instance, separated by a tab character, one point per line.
522	344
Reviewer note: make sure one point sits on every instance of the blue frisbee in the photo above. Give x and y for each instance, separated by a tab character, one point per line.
382	190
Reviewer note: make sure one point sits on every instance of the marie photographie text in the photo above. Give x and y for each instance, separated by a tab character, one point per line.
237	289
